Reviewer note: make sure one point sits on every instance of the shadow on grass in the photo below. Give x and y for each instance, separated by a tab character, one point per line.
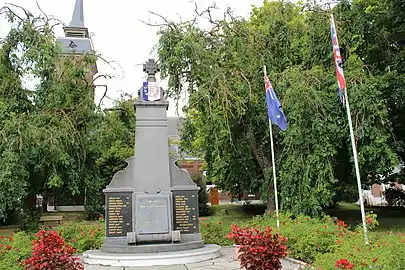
389	218
235	213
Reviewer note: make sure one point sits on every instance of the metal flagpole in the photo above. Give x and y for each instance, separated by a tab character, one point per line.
356	165
274	172
273	164
342	85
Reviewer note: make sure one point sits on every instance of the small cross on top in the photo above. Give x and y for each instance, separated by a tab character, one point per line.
151	67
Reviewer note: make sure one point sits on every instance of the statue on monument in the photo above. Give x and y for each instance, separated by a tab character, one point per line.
151	90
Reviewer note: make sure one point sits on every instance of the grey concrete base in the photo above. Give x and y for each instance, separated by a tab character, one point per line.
151	248
97	257
119	245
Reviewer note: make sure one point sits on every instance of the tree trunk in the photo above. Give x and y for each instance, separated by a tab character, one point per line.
44	207
270	197
30	200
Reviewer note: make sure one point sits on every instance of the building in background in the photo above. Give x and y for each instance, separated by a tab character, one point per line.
77	43
186	161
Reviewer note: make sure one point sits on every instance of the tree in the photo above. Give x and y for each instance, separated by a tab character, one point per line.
222	71
58	140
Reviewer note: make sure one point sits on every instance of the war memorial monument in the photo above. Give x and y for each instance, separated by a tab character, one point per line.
152	205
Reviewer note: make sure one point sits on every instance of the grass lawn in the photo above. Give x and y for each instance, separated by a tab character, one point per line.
391	219
68	218
232	213
7	230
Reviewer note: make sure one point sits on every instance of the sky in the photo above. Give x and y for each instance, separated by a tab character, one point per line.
119	35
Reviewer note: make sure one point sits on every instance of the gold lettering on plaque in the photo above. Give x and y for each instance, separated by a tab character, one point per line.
115	216
184	218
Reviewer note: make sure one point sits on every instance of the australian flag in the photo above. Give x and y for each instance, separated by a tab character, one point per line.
274	110
338	61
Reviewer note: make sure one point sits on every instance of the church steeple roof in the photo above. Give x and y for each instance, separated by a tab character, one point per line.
76	39
78	15
76	27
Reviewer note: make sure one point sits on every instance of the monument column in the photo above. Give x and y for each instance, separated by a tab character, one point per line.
153	201
151	172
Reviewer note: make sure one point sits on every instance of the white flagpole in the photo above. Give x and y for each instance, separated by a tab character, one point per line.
274	173
356	165
273	165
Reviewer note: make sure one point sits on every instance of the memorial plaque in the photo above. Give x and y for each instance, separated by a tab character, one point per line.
185	211
152	214
119	214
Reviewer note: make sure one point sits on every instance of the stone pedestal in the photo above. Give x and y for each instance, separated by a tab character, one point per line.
152	200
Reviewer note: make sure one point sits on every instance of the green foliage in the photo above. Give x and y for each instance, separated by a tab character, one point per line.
395	197
203	208
319	241
226	119
30	219
322	242
83	236
54	138
14	250
307	237
385	252
215	232
18	247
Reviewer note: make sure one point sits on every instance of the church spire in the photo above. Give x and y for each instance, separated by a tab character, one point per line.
78	15
76	27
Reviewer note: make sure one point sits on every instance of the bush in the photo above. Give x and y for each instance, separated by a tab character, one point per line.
307	236
384	252
326	243
11	217
94	200
83	236
30	219
17	248
257	249
215	232
344	264
50	252
395	197
203	208
14	250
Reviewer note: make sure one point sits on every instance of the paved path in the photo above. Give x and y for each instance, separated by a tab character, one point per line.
227	261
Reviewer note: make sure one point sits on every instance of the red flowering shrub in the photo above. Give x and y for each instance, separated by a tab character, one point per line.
50	252
307	236
385	251
344	264
83	236
14	250
215	232
259	250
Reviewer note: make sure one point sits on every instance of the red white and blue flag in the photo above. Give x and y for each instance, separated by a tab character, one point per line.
338	61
